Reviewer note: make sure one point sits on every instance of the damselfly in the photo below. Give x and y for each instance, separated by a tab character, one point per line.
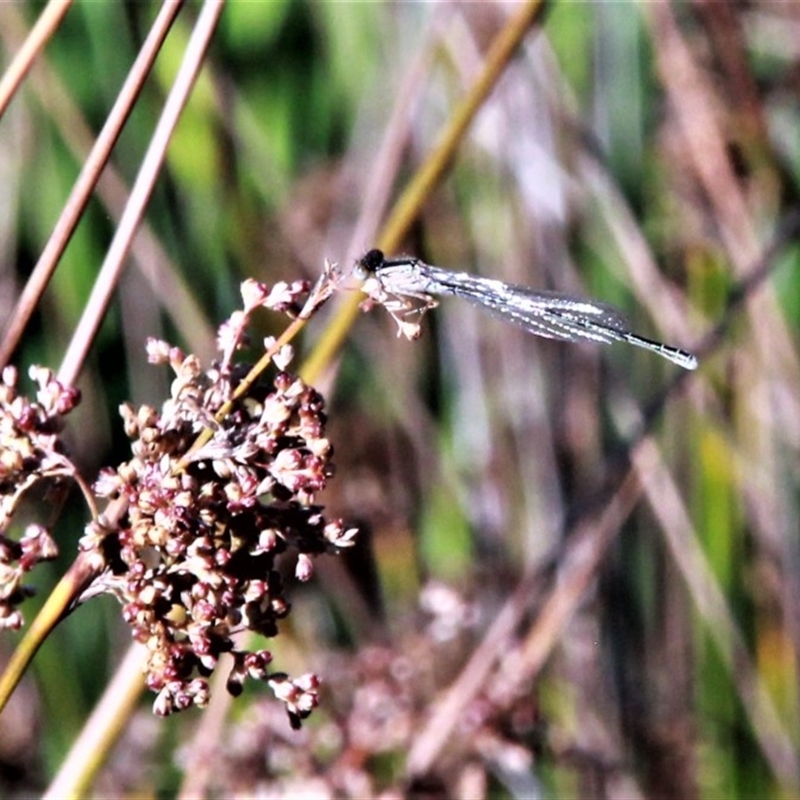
406	287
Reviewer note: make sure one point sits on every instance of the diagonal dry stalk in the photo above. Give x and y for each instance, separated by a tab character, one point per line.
152	163
100	175
86	183
16	71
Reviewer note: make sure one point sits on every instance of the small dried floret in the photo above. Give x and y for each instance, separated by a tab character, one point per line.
304	569
10	620
231	335
36	545
158	351
178	696
287	297
300	695
10	376
338	535
254	293
283	357
248	665
55	398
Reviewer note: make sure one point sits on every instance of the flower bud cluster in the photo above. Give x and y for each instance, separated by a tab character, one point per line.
195	557
30	450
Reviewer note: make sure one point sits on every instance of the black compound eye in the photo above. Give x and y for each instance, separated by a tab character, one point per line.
372	260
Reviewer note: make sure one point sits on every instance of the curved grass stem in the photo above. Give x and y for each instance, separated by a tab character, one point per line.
56	606
429	175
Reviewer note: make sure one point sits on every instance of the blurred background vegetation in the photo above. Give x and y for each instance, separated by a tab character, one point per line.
581	570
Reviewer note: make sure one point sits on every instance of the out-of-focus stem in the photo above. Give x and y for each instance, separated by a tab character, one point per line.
429	175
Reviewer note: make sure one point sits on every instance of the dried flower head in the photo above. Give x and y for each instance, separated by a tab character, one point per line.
30	450
195	557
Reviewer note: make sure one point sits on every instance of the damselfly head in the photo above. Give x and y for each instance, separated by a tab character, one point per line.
369	263
365	272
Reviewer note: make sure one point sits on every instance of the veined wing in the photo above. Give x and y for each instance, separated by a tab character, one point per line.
549	314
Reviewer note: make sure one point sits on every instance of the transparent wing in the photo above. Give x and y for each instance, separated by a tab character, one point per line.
549	314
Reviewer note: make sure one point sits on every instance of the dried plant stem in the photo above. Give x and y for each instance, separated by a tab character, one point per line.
88	496
429	174
68	588
140	194
689	90
48	21
681	538
111	190
89	751
388	157
207	734
578	566
86	182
